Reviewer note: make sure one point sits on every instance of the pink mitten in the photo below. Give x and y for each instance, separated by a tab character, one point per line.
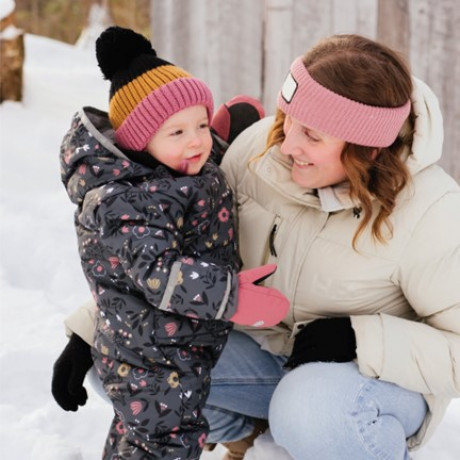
259	306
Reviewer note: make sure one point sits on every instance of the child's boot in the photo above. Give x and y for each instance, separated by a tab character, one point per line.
237	449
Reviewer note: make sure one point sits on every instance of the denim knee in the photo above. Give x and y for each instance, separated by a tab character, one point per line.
305	412
330	411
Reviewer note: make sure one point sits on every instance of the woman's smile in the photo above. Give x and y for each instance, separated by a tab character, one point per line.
301	163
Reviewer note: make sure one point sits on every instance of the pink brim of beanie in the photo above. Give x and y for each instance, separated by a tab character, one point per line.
144	121
318	108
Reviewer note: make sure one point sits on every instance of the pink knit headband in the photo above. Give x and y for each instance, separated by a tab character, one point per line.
318	108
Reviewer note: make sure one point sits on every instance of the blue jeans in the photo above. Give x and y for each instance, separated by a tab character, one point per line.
326	411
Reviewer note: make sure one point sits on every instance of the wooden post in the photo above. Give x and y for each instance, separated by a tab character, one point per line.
11	59
393	25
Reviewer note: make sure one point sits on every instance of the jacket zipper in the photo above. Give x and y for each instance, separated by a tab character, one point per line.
271	239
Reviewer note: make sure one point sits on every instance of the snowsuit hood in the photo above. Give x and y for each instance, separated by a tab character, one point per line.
88	147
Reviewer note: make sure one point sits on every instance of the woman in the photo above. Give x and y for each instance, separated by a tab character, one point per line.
341	190
365	231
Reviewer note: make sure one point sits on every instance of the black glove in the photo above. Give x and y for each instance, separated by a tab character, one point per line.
325	339
69	372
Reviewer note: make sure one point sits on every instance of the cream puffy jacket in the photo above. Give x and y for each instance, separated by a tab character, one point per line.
403	296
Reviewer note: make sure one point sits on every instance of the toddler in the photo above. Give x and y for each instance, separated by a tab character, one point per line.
157	242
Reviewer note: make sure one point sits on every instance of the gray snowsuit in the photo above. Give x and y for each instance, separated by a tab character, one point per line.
159	252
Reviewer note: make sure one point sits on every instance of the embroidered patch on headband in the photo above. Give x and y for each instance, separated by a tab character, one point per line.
319	108
289	88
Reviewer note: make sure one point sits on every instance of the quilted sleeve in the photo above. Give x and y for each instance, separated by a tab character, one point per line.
422	356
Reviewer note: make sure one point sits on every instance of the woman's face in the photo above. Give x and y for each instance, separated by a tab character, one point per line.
315	156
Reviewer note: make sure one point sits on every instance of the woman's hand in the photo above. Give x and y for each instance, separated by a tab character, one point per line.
325	339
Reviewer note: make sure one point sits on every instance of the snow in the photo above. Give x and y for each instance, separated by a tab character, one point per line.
40	277
10	33
6	8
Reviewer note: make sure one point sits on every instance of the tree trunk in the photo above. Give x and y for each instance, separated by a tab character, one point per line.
99	18
12	60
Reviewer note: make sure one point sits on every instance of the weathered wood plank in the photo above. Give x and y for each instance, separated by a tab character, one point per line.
435	58
293	26
393	25
219	42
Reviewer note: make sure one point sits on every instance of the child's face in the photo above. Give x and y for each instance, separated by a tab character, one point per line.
184	141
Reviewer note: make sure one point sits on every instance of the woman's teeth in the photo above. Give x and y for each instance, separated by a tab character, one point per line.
301	163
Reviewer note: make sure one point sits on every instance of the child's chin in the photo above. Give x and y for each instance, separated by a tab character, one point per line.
194	170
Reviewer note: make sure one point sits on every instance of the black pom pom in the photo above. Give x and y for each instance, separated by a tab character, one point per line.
117	47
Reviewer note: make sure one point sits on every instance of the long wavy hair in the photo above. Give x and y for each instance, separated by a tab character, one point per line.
368	72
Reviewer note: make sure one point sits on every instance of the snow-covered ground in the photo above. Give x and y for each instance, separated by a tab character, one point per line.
40	276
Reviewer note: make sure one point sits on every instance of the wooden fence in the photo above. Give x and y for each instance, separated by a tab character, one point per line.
246	46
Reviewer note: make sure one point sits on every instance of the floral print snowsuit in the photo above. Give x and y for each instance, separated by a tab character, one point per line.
159	252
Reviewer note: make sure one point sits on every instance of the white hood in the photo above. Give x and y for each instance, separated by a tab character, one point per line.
429	133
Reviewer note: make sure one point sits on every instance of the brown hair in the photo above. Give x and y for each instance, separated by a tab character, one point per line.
368	72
